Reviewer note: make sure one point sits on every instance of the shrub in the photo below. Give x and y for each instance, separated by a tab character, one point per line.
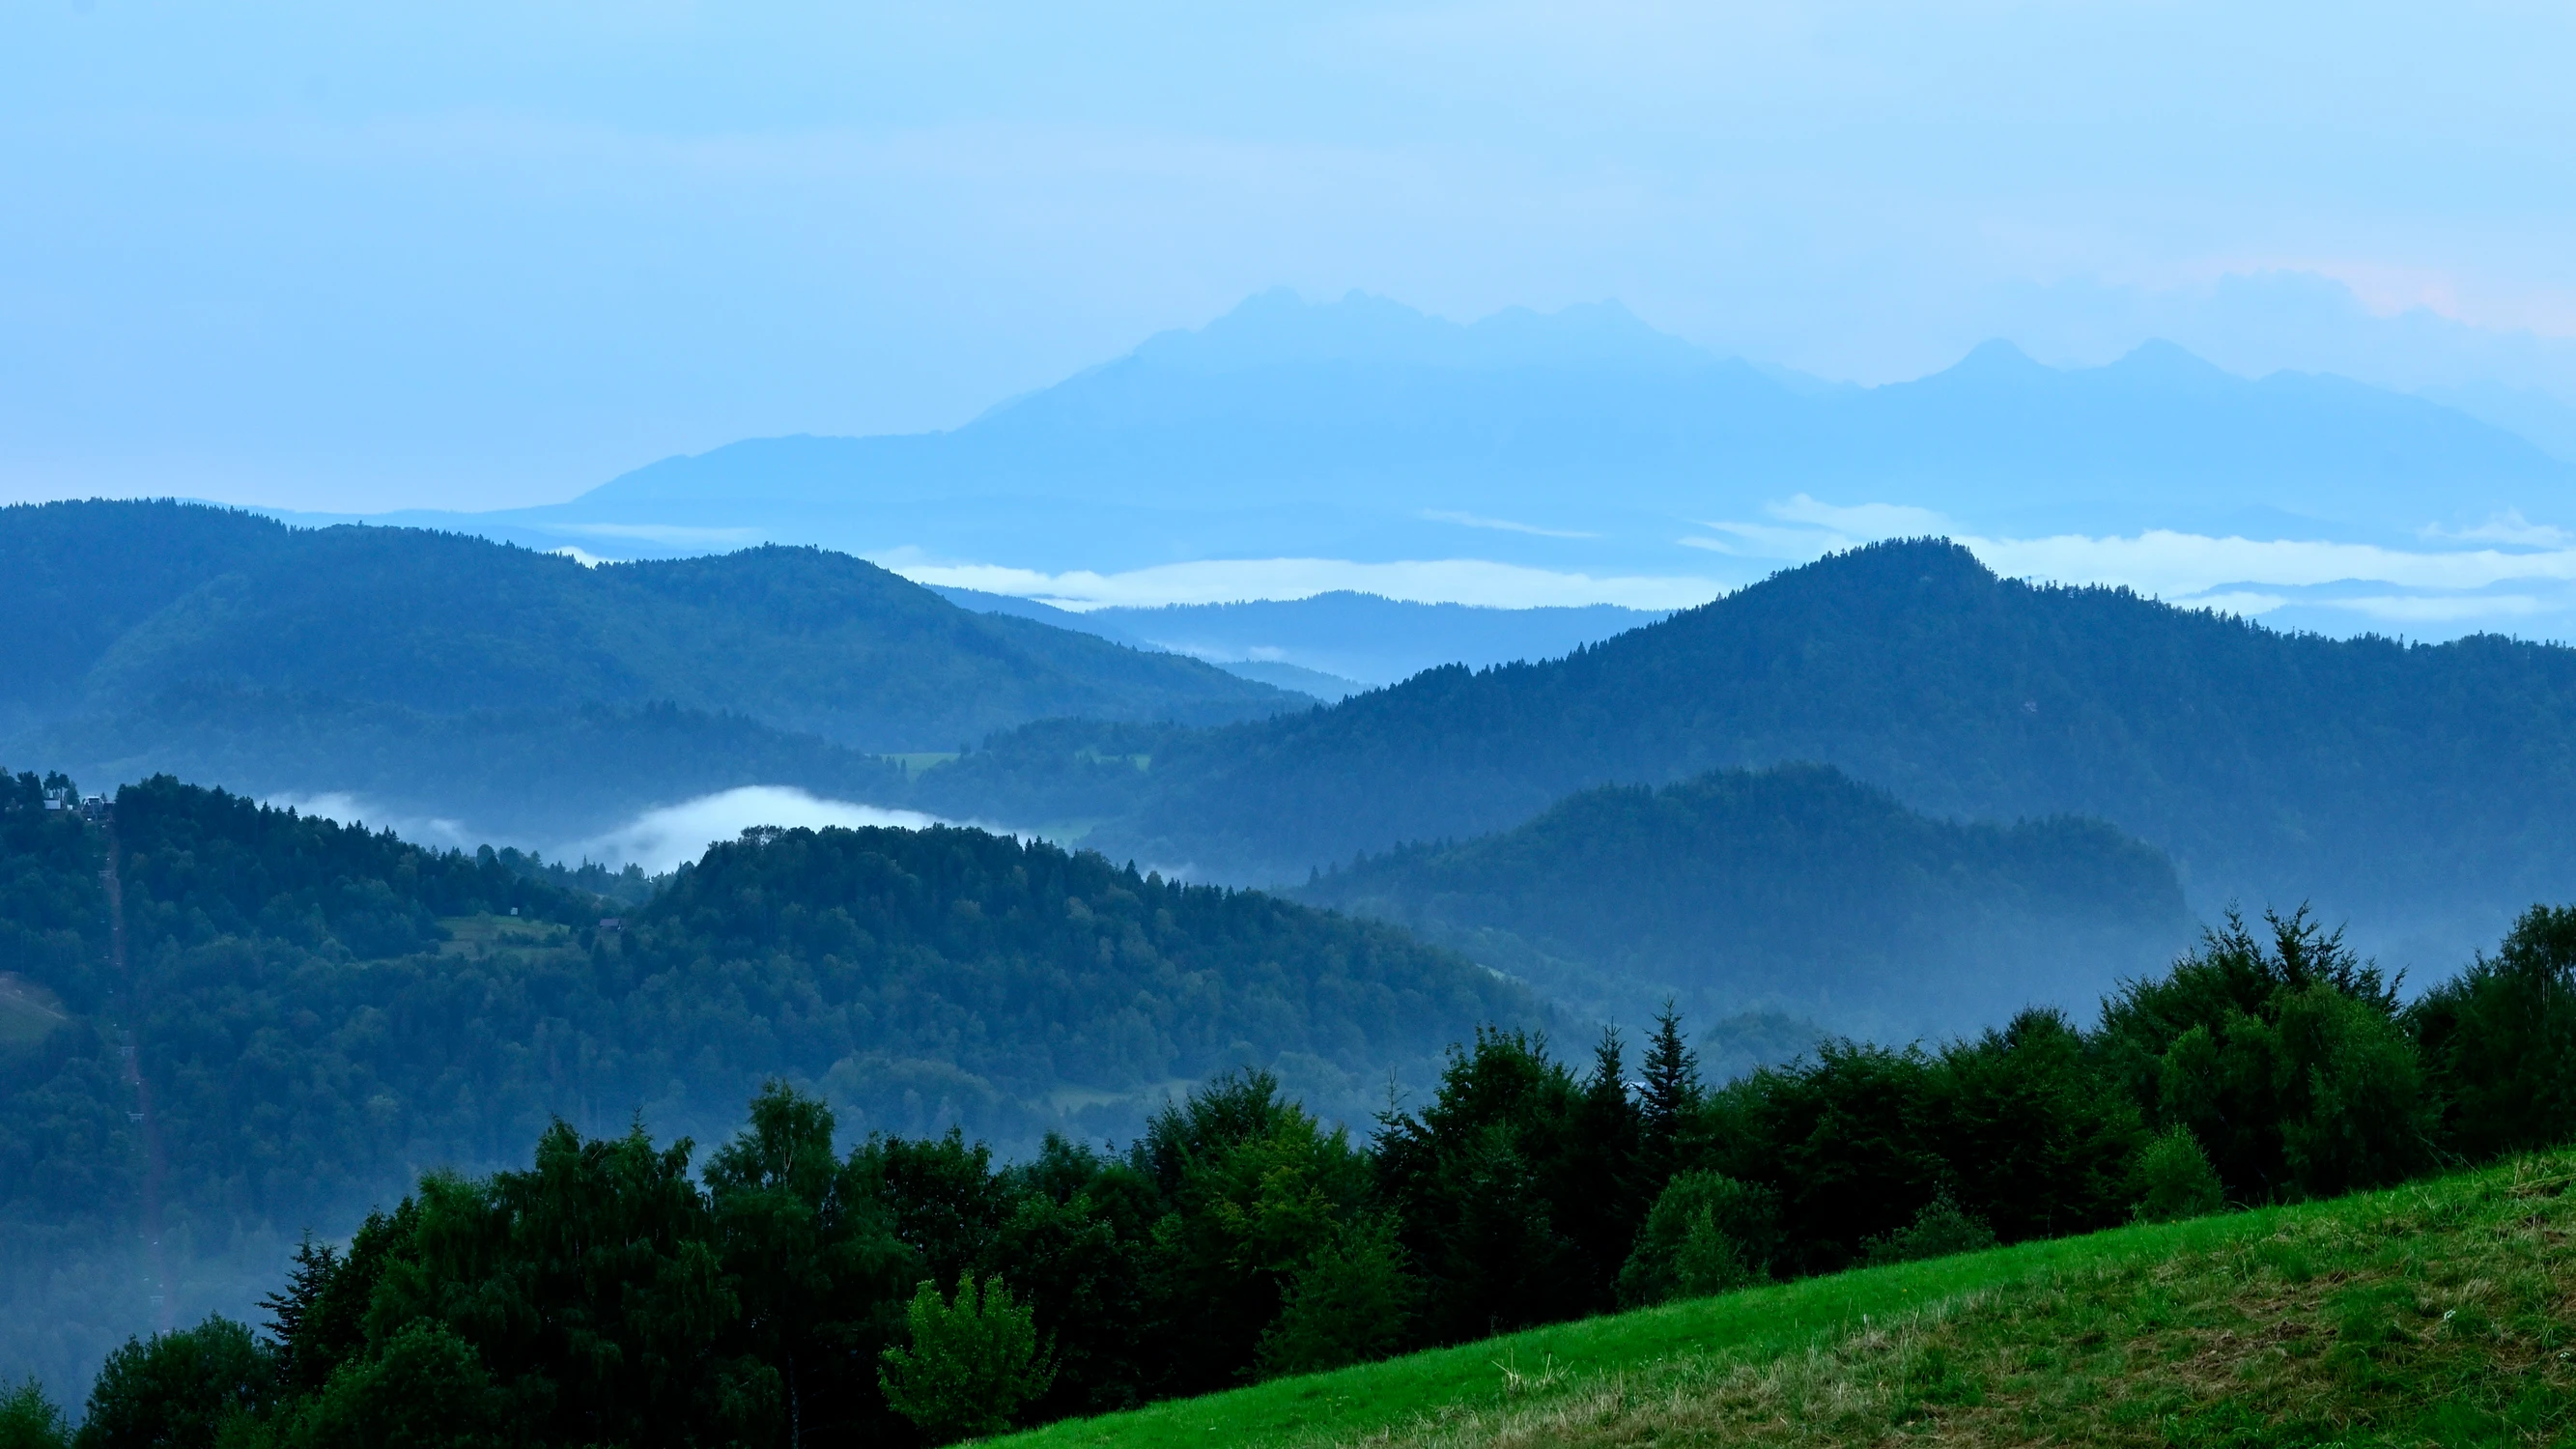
2174	1179
1706	1233
1941	1229
972	1361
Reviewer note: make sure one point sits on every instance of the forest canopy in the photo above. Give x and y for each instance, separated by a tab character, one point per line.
900	1290
318	1012
1793	889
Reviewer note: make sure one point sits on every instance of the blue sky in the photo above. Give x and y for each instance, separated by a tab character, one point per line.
480	254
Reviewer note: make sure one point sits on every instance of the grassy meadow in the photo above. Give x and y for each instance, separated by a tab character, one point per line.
2434	1313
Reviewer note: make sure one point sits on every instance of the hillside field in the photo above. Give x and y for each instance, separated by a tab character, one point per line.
2439	1312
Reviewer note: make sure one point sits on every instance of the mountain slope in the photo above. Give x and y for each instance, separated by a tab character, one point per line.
798	638
1792	889
431	670
74	578
2401	785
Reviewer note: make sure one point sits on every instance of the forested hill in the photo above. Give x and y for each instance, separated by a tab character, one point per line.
342	659
1793	889
2391	783
318	1013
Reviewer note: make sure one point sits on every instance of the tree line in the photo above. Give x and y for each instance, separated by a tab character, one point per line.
787	1292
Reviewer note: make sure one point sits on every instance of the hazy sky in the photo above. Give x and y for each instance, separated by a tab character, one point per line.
356	256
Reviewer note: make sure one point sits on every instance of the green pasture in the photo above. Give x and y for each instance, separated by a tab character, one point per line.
2438	1312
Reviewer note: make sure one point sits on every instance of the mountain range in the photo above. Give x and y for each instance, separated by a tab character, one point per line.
1640	421
1336	643
2419	791
2423	792
1582	441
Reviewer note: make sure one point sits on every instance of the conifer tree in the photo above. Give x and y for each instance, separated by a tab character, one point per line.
1671	1098
1604	1149
316	1264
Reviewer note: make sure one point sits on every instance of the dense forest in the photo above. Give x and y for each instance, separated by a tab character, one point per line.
2397	785
1790	890
167	636
316	1013
791	1291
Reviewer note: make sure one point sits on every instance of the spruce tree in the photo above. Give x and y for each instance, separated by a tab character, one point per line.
1604	1147
316	1265
1671	1098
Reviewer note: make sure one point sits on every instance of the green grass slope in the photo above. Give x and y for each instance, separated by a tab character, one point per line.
2440	1312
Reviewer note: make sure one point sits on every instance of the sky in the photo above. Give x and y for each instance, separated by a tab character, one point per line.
477	254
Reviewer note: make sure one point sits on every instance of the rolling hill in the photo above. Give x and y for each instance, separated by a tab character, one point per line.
2421	791
1789	890
440	674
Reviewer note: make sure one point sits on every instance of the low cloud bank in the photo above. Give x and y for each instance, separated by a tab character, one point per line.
664	838
1221	581
348	809
658	840
2519	574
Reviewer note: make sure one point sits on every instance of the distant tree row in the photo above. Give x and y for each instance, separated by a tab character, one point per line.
914	1290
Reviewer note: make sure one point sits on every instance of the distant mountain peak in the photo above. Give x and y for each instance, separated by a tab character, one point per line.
2169	361
1995	357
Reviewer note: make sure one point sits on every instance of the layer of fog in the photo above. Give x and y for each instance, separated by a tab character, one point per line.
664	838
659	839
349	809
